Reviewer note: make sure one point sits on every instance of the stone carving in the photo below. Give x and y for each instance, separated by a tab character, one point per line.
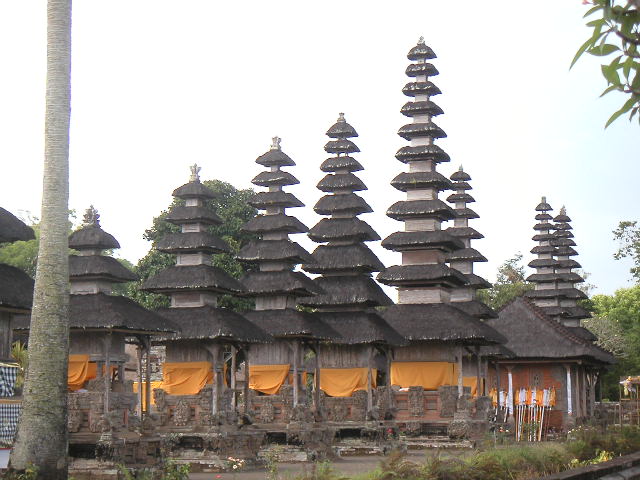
448	400
416	401
359	406
267	412
338	412
75	415
181	414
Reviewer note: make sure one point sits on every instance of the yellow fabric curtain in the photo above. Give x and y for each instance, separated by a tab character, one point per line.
186	378
428	375
144	391
78	371
471	382
268	378
342	382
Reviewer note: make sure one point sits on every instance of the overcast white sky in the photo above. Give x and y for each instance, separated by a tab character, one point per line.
159	85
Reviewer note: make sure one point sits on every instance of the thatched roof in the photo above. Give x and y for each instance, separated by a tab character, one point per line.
562	242
421	69
562	226
437	239
422	275
264	200
543	237
460	176
212	323
416	130
275	157
413	89
16	288
341	145
464	232
192	277
274	223
496	352
439	322
469	254
543	216
92	237
476	281
565	251
408	209
269	250
543	206
268	179
476	309
346	291
342	203
543	226
348	229
572	293
419	180
575	312
543	249
341	129
421	52
543	262
343	162
582	333
279	283
562	217
551	277
570	263
424	107
13	229
191	242
563	234
99	267
340	181
466	213
532	334
100	311
181	214
460	197
343	258
290	323
422	152
193	189
361	328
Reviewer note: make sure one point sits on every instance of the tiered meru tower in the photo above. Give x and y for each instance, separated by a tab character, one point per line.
424	281
275	286
466	297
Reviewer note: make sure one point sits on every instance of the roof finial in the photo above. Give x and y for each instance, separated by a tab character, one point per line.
91	217
544	200
563	210
460	169
420	40
275	143
195	173
341	118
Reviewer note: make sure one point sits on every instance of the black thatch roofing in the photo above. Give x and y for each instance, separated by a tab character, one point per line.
470	254
267	179
421	69
543	206
413	89
562	242
461	186
565	251
269	250
439	322
439	239
99	267
275	157
460	197
274	223
543	249
193	189
13	229
543	226
100	311
496	351
465	213
541	237
424	107
572	293
278	283
415	130
347	229
563	234
348	290
192	277
422	152
264	200
92	236
422	275
570	263
574	312
407	209
552	277
16	288
460	176
543	216
288	323
582	333
341	145
342	203
418	180
340	181
361	327
476	309
191	242
343	162
543	262
341	129
340	258
564	218
476	281
464	232
212	323
562	226
421	52
181	214
532	334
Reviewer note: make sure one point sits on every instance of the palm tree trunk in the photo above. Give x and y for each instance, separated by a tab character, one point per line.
42	438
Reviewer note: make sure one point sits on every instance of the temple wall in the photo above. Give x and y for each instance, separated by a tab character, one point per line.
187	351
344	356
425	353
276	353
94	344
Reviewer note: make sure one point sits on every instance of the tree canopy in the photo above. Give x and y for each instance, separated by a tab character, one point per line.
510	283
628	236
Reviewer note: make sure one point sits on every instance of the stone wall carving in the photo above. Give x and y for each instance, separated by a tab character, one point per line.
416	401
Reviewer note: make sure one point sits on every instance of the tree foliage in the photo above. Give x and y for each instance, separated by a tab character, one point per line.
232	207
628	236
616	32
510	283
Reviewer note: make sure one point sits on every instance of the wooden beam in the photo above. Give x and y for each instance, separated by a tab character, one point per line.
480	386
370	381
296	383
232	378
247	406
107	372
316	377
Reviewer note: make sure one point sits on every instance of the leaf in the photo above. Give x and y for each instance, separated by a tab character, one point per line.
592	10
609	89
625	108
581	50
626	67
634	110
603	50
610	73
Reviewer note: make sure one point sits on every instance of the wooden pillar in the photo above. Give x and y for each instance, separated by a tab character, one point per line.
147	376
139	372
370	379
460	382
215	393
247	406
107	372
583	396
6	336
232	376
296	382
316	377
480	387
497	368
577	393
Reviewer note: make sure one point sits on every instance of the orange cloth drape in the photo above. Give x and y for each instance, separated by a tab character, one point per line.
342	382
471	382
144	391
78	372
186	378
268	378
428	375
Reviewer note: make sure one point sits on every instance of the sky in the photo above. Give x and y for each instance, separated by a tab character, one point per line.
159	85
